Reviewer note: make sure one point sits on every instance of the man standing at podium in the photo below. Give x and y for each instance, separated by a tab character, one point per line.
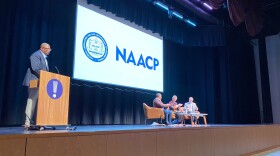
38	61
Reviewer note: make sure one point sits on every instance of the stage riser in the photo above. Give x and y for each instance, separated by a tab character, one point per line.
12	147
223	141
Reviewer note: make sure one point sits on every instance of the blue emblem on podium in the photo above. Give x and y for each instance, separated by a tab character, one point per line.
54	89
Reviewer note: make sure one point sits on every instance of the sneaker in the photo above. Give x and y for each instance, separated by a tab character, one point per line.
175	122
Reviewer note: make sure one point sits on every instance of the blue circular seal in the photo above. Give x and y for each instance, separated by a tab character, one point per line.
95	47
54	89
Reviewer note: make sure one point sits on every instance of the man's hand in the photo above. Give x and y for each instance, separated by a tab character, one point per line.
181	109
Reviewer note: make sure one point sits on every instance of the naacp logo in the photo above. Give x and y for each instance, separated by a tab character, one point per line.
95	47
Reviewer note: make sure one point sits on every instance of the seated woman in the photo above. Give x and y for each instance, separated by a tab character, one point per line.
191	107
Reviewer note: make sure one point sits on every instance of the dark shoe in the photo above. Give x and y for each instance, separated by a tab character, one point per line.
168	123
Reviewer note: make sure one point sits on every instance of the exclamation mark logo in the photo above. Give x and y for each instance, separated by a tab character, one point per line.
54	89
55	83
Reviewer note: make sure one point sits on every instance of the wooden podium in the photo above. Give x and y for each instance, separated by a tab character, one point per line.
53	98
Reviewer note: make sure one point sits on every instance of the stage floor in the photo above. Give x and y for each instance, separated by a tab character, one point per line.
139	140
5	131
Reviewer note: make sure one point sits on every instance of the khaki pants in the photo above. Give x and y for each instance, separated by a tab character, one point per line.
31	105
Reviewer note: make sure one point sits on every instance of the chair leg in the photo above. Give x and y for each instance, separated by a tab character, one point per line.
145	121
184	118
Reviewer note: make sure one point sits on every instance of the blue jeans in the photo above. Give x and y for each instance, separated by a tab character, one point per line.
168	115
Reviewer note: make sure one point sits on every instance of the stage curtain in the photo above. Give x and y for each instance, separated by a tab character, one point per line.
221	79
216	4
243	10
24	24
147	15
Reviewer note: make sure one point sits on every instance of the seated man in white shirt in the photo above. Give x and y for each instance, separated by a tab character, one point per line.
191	107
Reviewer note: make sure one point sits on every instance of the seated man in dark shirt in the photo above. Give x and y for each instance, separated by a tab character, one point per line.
157	103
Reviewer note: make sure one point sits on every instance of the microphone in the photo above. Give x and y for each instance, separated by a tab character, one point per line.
56	69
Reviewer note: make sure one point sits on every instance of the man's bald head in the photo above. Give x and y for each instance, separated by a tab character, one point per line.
45	48
158	95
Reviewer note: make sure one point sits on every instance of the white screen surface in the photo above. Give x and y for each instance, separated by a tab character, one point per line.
108	51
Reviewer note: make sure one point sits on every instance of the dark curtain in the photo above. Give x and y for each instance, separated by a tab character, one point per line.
265	82
149	16
24	25
220	78
243	10
91	104
216	4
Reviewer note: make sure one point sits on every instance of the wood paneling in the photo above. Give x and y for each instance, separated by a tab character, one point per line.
181	141
67	146
132	144
12	147
173	143
53	111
